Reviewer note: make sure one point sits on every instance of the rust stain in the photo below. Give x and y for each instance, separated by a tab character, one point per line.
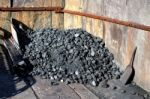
146	67
114	39
129	47
116	34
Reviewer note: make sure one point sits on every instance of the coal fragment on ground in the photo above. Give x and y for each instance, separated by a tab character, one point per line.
70	55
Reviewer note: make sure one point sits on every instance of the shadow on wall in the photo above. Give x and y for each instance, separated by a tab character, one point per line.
10	83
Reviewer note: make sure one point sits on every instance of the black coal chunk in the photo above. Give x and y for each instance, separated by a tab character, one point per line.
71	56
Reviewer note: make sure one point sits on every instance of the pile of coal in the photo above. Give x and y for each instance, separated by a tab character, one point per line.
70	56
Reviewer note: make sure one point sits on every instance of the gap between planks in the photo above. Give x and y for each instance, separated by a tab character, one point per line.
82	91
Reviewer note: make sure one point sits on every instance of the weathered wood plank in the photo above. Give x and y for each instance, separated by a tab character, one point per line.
130	91
32	3
115	38
34	20
27	94
83	92
142	61
121	41
121	9
61	91
5	3
37	20
58	18
4	17
93	26
74	4
4	22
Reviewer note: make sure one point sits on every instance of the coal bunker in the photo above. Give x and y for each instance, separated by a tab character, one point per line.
70	56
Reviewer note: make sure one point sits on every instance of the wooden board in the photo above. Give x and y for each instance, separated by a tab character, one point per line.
121	41
32	3
93	26
58	18
61	91
121	91
4	3
120	9
4	17
36	20
83	92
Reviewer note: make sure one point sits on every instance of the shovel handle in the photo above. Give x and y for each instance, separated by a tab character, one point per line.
132	57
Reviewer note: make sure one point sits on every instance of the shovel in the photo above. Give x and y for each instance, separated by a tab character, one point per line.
128	75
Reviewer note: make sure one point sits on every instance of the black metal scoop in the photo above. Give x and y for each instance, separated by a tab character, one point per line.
12	45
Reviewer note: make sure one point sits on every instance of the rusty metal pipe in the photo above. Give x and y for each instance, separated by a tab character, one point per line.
104	18
60	10
17	9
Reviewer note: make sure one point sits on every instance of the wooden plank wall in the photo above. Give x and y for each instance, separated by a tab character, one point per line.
39	19
93	26
32	19
120	40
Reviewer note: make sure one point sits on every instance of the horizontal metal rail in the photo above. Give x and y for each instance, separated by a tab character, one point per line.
112	20
17	9
60	10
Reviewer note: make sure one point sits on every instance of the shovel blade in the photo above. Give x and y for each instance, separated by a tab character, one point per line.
128	75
